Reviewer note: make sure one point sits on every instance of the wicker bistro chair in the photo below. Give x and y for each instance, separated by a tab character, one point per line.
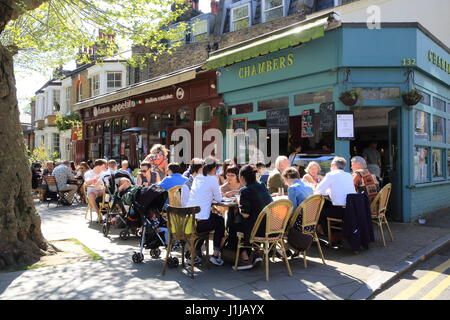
277	216
378	209
182	226
175	196
311	208
60	195
102	206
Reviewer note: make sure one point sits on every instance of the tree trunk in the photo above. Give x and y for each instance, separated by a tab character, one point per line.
21	239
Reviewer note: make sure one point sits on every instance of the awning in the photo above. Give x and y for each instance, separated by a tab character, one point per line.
274	41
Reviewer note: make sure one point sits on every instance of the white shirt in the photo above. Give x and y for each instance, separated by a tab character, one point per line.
89	175
205	189
337	184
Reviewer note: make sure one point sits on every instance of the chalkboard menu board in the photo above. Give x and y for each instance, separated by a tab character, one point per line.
239	123
327	117
307	123
278	119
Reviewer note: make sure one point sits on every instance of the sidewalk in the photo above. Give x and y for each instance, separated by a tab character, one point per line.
346	275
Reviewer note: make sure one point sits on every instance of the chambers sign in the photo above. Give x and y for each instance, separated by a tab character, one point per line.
266	66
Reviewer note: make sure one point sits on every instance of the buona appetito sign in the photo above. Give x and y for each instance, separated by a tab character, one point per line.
266	66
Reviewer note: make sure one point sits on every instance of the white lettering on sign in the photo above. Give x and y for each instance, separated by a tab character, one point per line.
161	98
114	108
180	93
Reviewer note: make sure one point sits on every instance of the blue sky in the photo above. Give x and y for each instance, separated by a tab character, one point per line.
28	82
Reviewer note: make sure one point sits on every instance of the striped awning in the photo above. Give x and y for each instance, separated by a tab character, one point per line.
271	42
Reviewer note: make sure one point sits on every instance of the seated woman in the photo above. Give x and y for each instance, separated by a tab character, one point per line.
232	185
312	176
254	196
223	172
147	176
297	193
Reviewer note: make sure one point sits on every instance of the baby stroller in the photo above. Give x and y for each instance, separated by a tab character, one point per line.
115	213
150	201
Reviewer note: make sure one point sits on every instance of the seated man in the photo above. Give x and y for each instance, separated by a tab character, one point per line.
205	189
174	177
95	187
195	169
263	172
364	180
275	180
63	174
337	184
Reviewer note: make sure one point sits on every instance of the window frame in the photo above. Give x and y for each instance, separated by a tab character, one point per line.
56	99
238	5
193	33
67	97
110	89
264	11
95	92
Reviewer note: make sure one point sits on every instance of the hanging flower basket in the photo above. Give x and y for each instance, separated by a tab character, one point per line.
412	97
349	97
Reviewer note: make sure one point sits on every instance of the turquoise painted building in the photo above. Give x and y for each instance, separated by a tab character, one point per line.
414	141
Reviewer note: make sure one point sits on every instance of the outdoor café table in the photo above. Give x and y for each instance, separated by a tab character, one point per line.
226	204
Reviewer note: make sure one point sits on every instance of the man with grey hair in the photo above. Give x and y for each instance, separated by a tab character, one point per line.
337	184
363	180
275	180
63	174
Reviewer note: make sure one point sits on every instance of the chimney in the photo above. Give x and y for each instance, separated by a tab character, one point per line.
214	7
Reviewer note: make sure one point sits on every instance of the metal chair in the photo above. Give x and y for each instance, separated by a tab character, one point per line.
277	216
182	226
378	209
311	208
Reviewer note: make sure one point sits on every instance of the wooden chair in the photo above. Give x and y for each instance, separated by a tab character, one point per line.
60	196
175	196
378	209
182	226
311	208
277	216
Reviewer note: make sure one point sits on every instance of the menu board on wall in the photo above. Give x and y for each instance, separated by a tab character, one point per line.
278	119
327	116
345	125
240	123
307	123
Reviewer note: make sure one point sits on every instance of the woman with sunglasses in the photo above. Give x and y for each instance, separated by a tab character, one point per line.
147	176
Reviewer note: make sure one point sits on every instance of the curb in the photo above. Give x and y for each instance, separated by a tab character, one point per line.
366	293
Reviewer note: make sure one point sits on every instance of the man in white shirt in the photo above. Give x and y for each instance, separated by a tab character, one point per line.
337	184
205	189
194	169
93	180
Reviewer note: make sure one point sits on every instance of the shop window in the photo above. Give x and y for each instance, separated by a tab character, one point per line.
439	104
276	103
437	163
203	113
272	9
240	17
113	81
167	119
116	126
107	139
143	137
98	129
125	146
116	148
377	93
240	108
90	130
183	116
107	127
313	97
426	98
200	30
438	129
421	125
154	127
125	123
421	164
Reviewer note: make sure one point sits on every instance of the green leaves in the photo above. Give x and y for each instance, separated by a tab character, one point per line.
53	33
67	122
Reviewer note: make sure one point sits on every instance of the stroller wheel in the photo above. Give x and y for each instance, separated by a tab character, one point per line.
124	235
172	262
138	257
155	253
105	229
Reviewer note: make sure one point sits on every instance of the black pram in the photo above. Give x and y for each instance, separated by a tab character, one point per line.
148	204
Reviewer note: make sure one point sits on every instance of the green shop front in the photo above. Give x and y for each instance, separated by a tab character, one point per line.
300	72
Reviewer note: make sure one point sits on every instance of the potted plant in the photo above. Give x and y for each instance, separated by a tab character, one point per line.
349	97
221	113
412	97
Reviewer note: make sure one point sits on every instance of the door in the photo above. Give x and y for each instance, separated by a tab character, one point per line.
394	165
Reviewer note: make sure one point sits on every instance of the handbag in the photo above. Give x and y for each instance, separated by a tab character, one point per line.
299	240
